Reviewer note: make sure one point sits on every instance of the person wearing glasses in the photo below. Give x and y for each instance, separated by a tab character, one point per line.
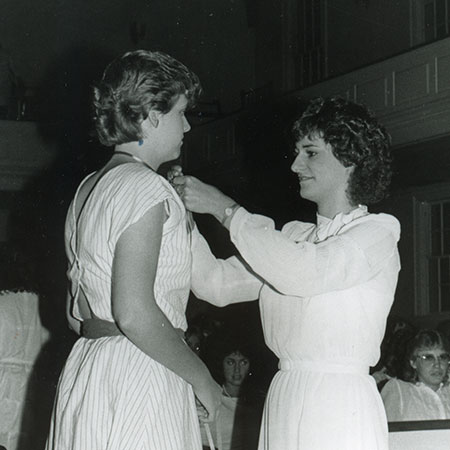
325	289
423	392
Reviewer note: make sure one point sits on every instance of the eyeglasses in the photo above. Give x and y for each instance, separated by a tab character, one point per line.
429	358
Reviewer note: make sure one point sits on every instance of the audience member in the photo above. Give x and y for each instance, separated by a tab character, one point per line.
195	338
423	392
398	332
237	424
22	339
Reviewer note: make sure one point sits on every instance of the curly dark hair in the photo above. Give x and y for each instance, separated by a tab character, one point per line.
357	139
134	84
424	339
223	344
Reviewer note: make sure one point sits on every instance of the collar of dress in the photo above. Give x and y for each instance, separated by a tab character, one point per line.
329	227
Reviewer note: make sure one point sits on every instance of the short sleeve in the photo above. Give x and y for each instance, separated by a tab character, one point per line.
135	191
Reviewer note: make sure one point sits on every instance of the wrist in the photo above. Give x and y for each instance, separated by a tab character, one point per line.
228	213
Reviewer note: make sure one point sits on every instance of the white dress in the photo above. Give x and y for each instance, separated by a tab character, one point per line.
111	395
415	401
22	337
327	292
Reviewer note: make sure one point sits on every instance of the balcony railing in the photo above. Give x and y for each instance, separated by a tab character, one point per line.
410	92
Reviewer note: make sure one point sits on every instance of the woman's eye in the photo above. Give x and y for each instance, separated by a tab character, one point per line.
311	154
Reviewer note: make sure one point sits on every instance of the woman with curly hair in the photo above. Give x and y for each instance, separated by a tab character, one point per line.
422	392
130	379
325	289
230	357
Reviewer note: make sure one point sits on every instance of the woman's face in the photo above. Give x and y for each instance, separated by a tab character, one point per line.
235	368
431	365
322	177
170	130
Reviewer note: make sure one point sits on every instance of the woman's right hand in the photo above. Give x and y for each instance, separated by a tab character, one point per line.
209	395
200	197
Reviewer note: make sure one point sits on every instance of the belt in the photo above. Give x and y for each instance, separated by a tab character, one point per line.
98	328
322	366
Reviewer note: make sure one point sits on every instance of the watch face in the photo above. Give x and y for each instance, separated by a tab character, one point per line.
228	211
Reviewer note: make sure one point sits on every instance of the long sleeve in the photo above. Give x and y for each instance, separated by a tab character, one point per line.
220	282
352	256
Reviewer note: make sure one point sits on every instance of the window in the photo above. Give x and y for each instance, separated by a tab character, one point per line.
432	251
429	20
311	26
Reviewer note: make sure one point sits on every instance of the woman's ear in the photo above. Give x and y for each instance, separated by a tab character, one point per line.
153	118
413	364
150	123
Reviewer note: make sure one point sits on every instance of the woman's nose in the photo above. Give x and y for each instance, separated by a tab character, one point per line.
438	362
298	164
186	125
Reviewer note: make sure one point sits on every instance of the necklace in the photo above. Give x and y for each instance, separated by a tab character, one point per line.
136	158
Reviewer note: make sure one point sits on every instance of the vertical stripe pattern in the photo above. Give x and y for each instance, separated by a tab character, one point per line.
112	396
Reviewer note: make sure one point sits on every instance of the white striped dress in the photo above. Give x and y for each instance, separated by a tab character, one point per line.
112	396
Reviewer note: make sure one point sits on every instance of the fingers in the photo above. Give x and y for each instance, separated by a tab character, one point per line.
184	184
207	411
179	180
202	413
179	184
174	171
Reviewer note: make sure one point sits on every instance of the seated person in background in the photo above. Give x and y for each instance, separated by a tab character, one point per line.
238	419
423	393
194	338
24	393
390	365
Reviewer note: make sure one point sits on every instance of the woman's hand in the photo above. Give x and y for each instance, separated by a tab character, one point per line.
173	172
202	198
177	171
208	398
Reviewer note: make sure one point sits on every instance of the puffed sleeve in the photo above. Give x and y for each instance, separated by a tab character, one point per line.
305	269
217	281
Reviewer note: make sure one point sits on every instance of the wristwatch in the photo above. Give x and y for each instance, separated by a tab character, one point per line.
229	211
